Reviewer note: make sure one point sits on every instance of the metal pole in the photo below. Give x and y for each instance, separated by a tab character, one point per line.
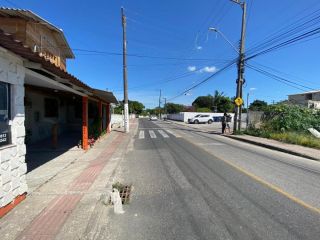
240	80
248	110
125	82
160	105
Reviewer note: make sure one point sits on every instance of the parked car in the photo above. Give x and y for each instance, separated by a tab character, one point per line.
153	118
201	118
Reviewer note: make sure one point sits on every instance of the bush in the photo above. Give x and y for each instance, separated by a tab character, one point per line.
283	117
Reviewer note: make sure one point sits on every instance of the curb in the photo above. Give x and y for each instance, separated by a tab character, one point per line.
273	147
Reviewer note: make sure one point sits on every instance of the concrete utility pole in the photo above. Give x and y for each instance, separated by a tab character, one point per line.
125	82
240	80
160	105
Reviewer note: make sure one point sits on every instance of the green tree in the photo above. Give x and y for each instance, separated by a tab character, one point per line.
203	102
258	105
134	107
174	108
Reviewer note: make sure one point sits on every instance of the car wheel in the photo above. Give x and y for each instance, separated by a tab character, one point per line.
196	121
209	121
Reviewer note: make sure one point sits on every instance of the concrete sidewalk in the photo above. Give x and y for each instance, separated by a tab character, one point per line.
293	149
61	205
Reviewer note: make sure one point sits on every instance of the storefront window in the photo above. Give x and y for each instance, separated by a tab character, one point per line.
4	113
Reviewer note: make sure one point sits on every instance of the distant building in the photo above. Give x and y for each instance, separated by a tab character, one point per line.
308	99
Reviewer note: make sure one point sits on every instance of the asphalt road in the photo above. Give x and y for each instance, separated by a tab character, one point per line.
188	184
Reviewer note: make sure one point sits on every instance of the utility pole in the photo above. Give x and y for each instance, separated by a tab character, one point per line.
125	82
160	105
240	80
165	105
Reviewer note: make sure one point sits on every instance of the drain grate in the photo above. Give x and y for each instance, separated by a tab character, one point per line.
124	191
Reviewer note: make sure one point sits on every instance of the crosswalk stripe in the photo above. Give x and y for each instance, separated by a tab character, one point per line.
173	133
141	134
163	134
152	134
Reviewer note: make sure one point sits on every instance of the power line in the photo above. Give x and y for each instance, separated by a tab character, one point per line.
139	55
288	82
205	80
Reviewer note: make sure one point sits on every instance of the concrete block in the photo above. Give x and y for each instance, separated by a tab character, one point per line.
14	163
15	173
20	140
15	183
22	169
5	177
23	188
6	187
21	131
7	198
22	150
5	167
5	155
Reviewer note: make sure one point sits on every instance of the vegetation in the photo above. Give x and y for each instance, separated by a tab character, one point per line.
289	123
134	107
217	103
174	108
258	105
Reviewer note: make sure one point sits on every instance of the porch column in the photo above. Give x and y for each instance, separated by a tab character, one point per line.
108	122
100	116
85	123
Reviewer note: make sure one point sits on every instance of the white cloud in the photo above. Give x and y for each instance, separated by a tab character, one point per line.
252	89
209	69
199	47
192	68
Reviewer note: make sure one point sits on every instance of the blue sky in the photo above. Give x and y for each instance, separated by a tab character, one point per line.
178	29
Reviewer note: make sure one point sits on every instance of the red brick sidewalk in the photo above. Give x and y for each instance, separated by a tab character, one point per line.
49	222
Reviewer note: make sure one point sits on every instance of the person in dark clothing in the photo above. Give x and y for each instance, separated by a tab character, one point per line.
224	122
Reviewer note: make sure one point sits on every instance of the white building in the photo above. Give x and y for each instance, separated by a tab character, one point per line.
308	99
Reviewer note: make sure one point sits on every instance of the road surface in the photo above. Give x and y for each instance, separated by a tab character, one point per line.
188	184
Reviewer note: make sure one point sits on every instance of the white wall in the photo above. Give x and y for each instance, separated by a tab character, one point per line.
117	120
184	116
12	157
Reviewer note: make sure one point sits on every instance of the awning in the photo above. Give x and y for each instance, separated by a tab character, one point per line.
105	96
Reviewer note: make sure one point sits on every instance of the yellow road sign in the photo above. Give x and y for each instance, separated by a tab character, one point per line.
238	101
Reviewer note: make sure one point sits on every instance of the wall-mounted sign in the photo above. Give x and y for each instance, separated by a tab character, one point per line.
4	139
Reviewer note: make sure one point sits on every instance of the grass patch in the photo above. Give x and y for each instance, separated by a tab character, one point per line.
303	139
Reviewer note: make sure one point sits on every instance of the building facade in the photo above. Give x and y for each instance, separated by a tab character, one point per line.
308	99
39	100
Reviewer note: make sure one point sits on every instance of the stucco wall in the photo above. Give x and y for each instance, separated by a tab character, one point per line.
12	157
41	128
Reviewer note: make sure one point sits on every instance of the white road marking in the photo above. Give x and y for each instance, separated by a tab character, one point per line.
141	134
211	144
173	133
152	134
163	134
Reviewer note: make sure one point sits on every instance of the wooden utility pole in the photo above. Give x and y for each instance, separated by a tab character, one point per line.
240	80
160	105
125	81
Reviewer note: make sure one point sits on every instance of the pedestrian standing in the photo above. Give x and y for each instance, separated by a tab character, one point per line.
224	122
229	119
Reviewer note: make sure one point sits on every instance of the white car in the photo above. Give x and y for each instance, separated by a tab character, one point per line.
153	118
201	118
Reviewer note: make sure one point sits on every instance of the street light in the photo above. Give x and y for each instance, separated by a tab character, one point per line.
224	37
241	62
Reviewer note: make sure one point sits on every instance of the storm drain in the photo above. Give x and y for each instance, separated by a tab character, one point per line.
124	191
